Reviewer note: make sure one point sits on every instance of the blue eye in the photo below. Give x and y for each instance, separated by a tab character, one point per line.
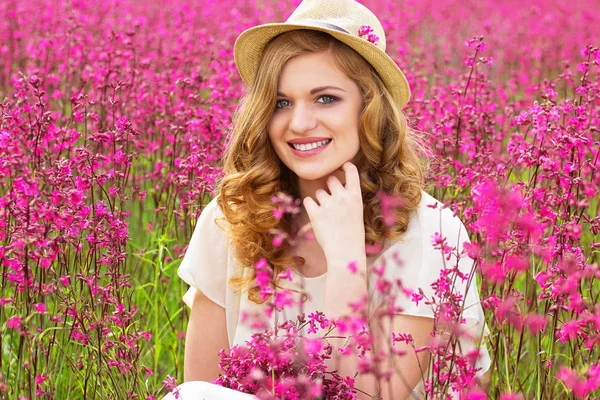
277	102
333	99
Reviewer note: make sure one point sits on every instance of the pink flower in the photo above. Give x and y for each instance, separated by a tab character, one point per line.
277	241
364	30
123	124
569	331
368	31
476	394
535	323
402	337
14	322
39	379
581	386
147	371
40	308
313	346
283	299
146	335
353	267
416	298
170	384
287	274
278	214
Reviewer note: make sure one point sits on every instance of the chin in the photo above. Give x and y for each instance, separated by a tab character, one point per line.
309	176
313	174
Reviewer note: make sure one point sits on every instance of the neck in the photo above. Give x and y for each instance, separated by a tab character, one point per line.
308	188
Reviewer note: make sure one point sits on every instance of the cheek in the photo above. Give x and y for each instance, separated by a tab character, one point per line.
274	129
275	134
351	128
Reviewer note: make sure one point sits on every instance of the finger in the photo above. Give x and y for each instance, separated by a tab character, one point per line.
322	196
334	185
352	177
310	206
341	175
307	232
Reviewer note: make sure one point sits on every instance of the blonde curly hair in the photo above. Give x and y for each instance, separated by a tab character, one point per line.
392	159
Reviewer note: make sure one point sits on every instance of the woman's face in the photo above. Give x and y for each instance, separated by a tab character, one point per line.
304	113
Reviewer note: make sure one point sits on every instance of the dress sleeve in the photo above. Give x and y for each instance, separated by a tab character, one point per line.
204	265
421	264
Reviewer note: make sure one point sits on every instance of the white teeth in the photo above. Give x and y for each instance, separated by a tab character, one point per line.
310	146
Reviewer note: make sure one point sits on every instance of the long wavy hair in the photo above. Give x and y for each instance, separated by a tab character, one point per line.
392	159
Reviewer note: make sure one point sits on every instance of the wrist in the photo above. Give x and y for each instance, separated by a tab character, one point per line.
340	258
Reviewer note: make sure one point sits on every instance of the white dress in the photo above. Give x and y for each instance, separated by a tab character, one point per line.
209	262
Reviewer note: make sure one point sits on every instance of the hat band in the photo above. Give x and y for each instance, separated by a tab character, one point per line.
318	23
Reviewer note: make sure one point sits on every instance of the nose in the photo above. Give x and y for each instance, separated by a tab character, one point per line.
303	119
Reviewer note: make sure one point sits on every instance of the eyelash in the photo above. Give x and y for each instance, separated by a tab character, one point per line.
333	100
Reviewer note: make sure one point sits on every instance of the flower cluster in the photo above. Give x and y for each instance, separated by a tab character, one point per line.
366	30
284	366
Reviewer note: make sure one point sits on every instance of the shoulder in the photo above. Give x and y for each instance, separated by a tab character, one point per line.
212	213
212	207
432	217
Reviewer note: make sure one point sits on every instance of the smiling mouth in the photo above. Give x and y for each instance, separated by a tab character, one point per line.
309	146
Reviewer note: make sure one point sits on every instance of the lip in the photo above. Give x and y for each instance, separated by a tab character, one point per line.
308	140
309	153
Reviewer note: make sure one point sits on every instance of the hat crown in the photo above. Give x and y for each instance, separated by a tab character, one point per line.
348	15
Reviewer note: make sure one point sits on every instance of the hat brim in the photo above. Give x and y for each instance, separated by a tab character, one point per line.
249	46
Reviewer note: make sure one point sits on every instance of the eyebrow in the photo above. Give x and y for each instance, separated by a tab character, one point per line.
316	90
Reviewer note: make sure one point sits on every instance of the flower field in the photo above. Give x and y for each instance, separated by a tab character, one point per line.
113	120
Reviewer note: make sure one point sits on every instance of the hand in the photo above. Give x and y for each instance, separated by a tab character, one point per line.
337	221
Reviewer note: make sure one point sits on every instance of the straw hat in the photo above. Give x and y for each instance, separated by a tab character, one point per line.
346	20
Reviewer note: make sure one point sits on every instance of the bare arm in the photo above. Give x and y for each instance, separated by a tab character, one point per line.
206	335
407	373
406	368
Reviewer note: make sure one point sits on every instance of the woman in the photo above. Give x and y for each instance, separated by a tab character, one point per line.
322	122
